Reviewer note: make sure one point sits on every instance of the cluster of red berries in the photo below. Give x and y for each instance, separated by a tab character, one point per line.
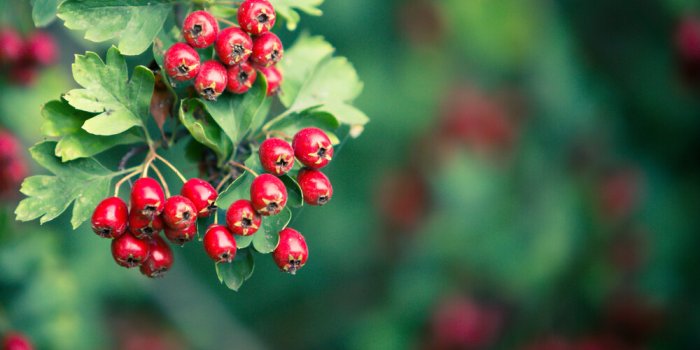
22	58
13	166
241	51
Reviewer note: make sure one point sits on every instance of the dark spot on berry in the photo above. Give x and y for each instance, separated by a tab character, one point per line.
225	257
149	231
238	51
263	18
196	30
245	222
272	207
275	55
209	94
322	200
282	163
294	265
183	69
106	232
212	208
187	215
131	261
322	152
242	77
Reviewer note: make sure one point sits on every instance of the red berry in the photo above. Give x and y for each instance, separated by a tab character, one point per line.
268	195
11	45
202	194
143	228
16	341
109	219
315	186
182	62
241	78
179	212
160	258
219	244
292	252
200	29
211	80
274	79
24	73
256	16
267	50
13	167
313	147
129	251
242	219
276	156
147	198
181	236
688	39
233	46
41	48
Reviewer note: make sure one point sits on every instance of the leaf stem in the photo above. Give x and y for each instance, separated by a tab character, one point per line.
242	166
279	133
151	155
124	179
172	167
231	23
224	180
162	179
274	120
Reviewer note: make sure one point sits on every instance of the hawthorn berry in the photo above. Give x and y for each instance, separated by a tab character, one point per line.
41	48
13	167
242	219
211	80
219	244
315	186
268	195
313	148
142	227
109	220
129	251
179	212
202	194
241	78
181	236
200	29
267	50
147	198
256	16
11	45
274	79
276	156
24	73
182	62
233	46
16	341
291	253
160	258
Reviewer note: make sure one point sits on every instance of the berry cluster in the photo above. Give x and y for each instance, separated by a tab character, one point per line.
13	166
21	58
242	51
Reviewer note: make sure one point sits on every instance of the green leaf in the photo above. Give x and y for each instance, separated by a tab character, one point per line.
203	128
121	104
295	198
165	39
299	62
287	9
238	189
83	182
233	274
291	124
267	238
243	241
135	23
334	80
44	11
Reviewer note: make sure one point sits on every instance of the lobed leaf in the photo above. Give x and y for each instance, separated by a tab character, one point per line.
267	238
203	128
233	274
44	11
288	9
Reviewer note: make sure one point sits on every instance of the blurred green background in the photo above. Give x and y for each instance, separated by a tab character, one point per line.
529	180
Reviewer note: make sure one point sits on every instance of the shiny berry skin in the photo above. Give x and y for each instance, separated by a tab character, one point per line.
313	147
147	198
241	78
291	253
16	341
11	45
267	50
41	48
202	194
211	80
219	244
179	212
160	258
242	219
276	156
143	228
233	46
200	29
129	251
315	186
274	79
256	16
109	220
182	62
268	195
181	236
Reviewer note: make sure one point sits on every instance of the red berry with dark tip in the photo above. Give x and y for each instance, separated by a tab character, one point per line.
16	341
202	194
182	62
242	219
219	244
274	79
313	147
147	198
211	80
160	258
291	252
315	186
241	78
41	48
267	50
11	45
268	195
233	46
276	156
200	29
129	251
179	212
256	16
143	228
181	236
109	220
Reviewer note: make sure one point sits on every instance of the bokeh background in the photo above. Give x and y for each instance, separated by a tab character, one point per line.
529	180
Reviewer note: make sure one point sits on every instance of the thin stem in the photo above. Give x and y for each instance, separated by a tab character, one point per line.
124	179
279	133
274	120
132	152
226	21
216	217
242	166
172	167
162	180
224	180
148	162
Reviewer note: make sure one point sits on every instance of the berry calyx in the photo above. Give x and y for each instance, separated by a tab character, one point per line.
202	194
160	258
291	253
147	198
276	156
242	219
256	16
11	45
268	195
179	212
241	78
109	220
315	186
267	50
41	48
200	29
181	236
211	80
219	244
16	341
182	62
313	147
274	79
129	251
233	46
143	228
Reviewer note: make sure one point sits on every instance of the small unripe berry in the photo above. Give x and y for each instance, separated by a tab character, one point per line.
147	198
179	212
233	46
268	194
109	220
242	219
241	78
219	244
267	50
182	62
211	80
313	147
144	228
160	258
276	156
202	194
291	252
41	48
181	236
129	251
274	79
256	16
315	186
200	29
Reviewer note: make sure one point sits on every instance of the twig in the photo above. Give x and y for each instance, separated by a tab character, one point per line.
120	182
172	167
162	179
242	166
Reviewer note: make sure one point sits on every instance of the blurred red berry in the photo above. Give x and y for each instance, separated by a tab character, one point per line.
16	341
267	50
274	79
41	48
181	236
11	45
256	16
200	29
291	252
160	258
462	323
315	186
